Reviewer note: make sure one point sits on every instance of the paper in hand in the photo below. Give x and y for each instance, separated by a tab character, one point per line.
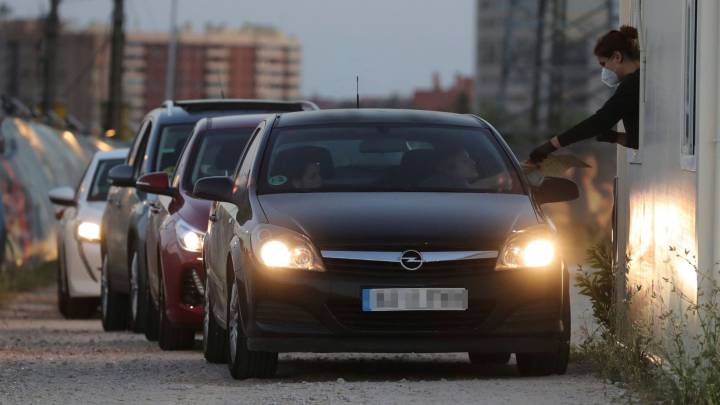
557	165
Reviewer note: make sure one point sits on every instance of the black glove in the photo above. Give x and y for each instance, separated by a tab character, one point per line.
541	152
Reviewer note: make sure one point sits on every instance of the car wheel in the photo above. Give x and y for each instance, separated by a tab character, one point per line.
170	337
138	295
244	363
214	344
113	305
551	363
489	358
62	295
152	325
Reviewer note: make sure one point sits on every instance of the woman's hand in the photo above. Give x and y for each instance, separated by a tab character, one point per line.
541	152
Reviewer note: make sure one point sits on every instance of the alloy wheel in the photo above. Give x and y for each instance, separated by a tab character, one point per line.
234	322
134	287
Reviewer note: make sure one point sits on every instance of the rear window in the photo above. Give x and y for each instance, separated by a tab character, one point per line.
216	153
386	158
172	141
100	185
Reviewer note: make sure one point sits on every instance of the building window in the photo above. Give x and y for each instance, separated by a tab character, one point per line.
689	135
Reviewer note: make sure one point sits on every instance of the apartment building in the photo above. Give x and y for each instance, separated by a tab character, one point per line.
247	62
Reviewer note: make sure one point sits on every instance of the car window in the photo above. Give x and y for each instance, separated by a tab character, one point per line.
140	139
216	153
386	158
246	160
139	157
172	141
100	185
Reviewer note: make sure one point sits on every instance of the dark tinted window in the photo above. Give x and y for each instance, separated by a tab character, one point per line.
386	158
172	141
100	185
216	153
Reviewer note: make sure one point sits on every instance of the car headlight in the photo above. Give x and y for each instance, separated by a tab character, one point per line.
277	247
88	231
530	248
190	239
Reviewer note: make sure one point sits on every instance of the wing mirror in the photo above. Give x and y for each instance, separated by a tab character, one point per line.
155	183
121	176
555	189
217	188
64	196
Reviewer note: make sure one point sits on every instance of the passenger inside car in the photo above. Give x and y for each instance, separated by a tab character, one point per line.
308	177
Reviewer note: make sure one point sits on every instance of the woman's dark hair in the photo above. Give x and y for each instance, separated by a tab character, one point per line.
624	40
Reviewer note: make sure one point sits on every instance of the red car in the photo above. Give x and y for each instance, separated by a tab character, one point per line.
178	222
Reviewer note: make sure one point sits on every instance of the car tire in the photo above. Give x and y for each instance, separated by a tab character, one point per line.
214	337
113	305
152	326
244	363
138	294
533	364
170	337
480	359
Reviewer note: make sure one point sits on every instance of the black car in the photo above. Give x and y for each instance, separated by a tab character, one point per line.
157	146
383	231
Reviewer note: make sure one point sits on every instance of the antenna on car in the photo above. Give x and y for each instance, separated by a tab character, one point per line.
222	85
357	91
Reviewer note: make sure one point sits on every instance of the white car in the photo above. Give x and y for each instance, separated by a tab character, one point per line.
79	236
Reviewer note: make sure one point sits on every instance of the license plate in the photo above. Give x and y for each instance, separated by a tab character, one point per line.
414	299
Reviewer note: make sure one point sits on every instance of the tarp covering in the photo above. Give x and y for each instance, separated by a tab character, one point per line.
36	159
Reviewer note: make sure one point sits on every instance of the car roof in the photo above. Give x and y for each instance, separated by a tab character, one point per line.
189	111
235	121
362	115
112	154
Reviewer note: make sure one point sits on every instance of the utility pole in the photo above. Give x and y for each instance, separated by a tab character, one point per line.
559	10
114	106
52	26
537	73
172	53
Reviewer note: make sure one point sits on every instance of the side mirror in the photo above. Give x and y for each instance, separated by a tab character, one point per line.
155	183
64	196
555	189
121	176
217	188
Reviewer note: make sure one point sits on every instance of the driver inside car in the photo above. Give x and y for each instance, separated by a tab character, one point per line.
307	176
457	169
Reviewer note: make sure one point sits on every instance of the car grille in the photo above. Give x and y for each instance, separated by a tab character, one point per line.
350	314
377	268
189	293
276	312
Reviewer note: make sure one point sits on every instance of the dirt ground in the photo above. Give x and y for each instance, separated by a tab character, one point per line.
44	359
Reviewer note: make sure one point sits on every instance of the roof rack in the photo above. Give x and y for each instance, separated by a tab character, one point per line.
243	104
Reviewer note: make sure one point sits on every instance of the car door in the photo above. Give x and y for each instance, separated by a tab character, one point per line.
124	200
226	219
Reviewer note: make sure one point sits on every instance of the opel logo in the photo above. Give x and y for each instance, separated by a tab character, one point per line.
411	260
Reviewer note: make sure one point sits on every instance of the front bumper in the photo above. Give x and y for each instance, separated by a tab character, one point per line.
508	311
183	295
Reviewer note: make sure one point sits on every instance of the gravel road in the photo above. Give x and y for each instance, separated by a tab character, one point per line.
44	359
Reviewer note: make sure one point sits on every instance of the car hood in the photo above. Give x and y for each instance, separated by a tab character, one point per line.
355	221
195	212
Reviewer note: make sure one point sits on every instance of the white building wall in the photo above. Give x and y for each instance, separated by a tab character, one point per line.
663	202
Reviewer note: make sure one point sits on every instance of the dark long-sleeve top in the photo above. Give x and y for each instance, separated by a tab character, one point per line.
623	105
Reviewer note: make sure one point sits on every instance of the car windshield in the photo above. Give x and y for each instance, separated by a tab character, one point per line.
216	154
386	158
172	141
100	184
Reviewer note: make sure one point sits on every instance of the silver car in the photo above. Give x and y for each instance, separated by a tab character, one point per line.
79	230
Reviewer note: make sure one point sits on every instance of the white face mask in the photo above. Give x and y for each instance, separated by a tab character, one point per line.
610	78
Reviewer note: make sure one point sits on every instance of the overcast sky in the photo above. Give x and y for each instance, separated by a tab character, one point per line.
394	45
